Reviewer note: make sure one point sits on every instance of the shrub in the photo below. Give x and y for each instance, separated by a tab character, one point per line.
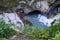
45	34
57	36
5	30
34	33
53	30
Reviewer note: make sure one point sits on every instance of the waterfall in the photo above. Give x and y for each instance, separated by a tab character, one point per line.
45	20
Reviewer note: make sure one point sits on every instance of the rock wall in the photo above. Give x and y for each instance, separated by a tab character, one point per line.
13	18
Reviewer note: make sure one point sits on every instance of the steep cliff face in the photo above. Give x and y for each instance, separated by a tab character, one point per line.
28	5
41	5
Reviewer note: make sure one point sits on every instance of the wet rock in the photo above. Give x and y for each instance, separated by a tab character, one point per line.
59	10
1	12
20	10
53	22
55	4
20	13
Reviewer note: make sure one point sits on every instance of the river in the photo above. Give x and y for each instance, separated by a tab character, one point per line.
35	20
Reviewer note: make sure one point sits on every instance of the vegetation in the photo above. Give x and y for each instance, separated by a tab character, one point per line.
5	4
52	33
2	39
57	36
5	30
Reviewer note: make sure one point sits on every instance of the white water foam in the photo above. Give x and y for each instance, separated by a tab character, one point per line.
45	20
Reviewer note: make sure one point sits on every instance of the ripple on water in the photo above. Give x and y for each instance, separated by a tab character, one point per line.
33	17
35	21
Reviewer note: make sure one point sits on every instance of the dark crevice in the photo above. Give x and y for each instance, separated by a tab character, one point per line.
36	12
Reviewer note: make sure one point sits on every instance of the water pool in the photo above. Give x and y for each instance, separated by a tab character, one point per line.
33	17
35	21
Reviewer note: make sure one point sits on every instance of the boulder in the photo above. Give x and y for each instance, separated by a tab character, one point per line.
42	6
13	18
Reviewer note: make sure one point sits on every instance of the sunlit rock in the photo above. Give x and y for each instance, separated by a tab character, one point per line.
43	6
13	18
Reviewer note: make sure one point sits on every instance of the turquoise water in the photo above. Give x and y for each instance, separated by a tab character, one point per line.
33	17
35	21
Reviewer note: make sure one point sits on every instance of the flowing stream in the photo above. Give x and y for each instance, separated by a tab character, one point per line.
35	20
